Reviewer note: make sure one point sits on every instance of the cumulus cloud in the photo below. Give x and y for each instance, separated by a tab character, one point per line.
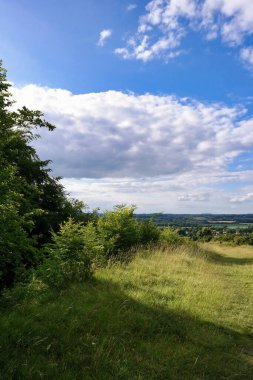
166	22
114	134
232	19
141	149
103	36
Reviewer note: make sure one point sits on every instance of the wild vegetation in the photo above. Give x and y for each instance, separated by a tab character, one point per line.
32	201
174	312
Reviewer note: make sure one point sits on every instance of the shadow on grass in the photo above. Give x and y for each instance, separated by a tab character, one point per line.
195	250
227	260
96	331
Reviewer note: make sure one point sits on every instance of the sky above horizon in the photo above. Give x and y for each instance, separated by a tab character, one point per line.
152	100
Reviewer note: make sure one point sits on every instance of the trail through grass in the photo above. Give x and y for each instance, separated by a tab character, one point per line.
169	314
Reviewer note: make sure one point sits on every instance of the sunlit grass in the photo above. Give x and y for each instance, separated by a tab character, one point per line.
179	313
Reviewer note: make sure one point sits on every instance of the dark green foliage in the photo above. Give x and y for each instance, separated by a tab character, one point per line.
18	187
148	232
205	234
32	202
17	251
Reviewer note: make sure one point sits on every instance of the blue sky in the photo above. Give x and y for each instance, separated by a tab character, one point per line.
153	99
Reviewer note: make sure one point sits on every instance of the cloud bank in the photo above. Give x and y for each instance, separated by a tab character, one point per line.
139	145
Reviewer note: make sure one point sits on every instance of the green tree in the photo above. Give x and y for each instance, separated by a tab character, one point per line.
17	251
32	201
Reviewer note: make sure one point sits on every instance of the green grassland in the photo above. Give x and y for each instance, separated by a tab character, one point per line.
171	313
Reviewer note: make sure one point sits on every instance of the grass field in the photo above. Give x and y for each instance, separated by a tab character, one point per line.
169	314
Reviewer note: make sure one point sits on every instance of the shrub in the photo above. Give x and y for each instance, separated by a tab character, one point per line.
148	232
205	234
72	254
170	236
118	230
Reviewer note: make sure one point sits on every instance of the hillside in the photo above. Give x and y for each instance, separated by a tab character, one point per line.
200	220
181	313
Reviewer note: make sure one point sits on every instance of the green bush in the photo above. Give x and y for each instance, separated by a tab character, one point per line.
72	255
170	236
118	230
148	232
205	234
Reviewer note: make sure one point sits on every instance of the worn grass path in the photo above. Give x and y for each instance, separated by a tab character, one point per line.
169	314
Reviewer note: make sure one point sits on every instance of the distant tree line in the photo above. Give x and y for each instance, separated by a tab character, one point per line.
239	236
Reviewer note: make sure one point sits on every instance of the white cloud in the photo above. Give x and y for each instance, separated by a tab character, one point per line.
232	19
142	49
131	7
143	149
242	198
198	197
103	36
113	134
160	195
247	56
166	22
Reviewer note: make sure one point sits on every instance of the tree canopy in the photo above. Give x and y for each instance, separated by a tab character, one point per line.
32	201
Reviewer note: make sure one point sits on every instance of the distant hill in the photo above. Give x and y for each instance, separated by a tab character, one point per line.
190	220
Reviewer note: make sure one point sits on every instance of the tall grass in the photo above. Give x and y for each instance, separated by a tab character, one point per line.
180	312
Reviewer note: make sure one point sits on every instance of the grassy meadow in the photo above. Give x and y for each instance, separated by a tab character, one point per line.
171	313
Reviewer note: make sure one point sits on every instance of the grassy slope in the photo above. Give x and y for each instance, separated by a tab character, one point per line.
166	315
